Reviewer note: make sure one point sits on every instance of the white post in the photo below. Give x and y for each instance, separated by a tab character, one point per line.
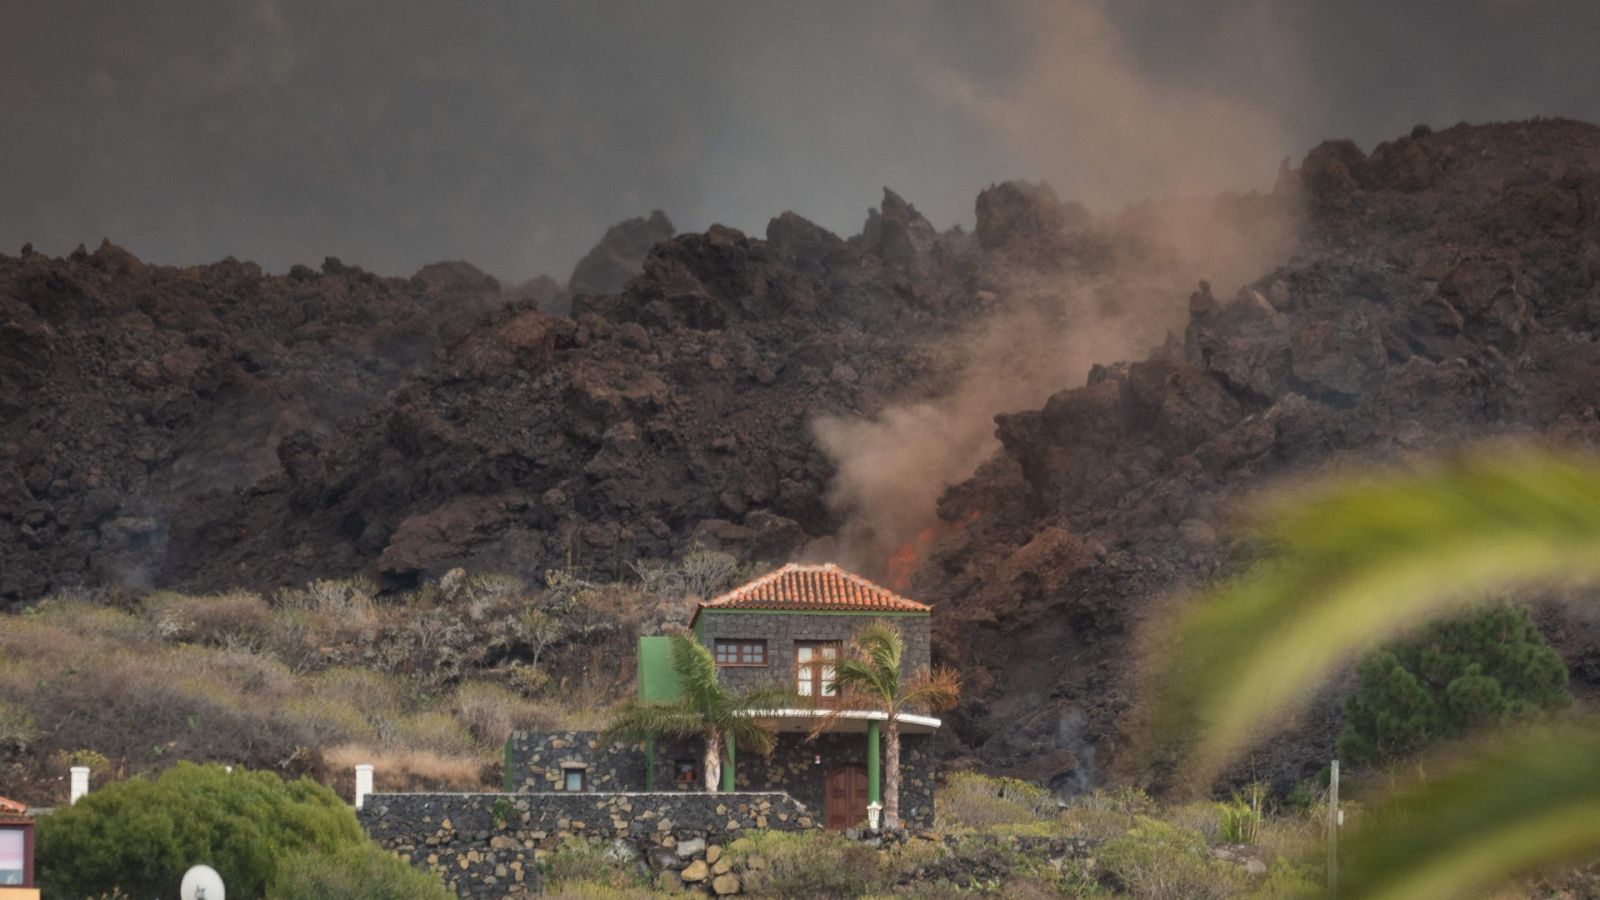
363	784
80	782
1335	819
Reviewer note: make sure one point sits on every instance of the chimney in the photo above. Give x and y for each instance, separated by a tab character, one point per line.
80	782
363	784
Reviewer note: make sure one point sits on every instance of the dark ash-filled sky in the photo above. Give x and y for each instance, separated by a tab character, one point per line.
510	134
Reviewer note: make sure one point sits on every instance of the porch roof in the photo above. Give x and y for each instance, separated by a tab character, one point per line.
848	721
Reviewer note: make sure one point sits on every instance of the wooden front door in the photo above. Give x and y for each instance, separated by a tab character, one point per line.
847	797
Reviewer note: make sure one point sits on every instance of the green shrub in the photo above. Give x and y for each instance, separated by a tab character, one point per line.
362	872
142	834
362	689
699	573
63	761
233	618
1104	815
327	722
437	731
1158	861
807	864
17	728
349	600
974	800
585	889
1239	820
1486	669
595	862
1285	881
491	712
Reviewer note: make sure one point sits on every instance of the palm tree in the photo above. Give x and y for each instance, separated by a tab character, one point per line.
704	708
872	677
1361	560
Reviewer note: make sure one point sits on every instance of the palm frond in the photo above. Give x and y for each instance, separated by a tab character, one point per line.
1521	805
1360	561
636	719
862	677
696	670
766	698
752	734
933	691
845	700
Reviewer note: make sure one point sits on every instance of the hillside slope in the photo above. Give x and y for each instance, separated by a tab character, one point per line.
214	426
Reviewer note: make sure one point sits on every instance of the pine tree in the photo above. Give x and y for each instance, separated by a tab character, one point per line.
1486	669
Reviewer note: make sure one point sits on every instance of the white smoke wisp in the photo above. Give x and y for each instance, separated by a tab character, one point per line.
1084	115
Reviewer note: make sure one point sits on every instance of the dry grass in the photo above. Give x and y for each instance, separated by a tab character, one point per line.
407	770
433	681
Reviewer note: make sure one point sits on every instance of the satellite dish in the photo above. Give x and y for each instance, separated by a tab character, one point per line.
202	883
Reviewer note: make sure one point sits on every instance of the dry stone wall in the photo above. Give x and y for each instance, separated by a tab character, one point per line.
793	768
489	845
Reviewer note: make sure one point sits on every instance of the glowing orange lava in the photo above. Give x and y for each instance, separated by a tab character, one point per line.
905	560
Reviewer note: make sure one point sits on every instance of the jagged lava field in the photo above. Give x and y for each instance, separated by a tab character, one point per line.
1043	427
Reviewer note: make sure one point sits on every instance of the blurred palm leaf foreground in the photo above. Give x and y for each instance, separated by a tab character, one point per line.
1358	560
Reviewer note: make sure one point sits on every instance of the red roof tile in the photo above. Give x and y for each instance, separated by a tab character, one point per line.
823	587
12	809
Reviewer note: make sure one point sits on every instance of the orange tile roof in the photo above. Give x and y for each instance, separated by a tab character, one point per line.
12	809
825	588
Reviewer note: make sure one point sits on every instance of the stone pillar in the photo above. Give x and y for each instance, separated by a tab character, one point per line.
363	784
874	765
80	782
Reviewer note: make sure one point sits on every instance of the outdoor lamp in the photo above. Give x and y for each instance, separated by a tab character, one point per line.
874	815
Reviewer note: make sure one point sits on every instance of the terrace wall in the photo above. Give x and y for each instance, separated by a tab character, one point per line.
488	845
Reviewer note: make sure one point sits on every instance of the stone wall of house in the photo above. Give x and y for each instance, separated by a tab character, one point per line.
533	764
489	845
534	761
780	630
793	769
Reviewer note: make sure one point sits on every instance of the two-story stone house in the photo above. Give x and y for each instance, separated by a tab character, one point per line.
788	627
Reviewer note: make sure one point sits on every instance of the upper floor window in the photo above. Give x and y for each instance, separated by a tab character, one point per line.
741	652
814	669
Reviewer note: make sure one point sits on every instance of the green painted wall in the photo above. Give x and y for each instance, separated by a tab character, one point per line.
874	765
657	679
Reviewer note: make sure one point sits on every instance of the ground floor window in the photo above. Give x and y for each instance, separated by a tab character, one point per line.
574	780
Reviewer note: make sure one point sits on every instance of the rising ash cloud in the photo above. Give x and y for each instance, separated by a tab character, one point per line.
511	134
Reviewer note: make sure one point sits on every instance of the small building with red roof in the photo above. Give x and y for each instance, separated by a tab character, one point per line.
796	618
791	626
787	629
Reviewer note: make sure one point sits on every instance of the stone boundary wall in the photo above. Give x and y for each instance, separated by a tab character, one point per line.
489	845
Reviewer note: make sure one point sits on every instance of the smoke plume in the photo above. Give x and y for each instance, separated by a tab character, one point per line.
1083	112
